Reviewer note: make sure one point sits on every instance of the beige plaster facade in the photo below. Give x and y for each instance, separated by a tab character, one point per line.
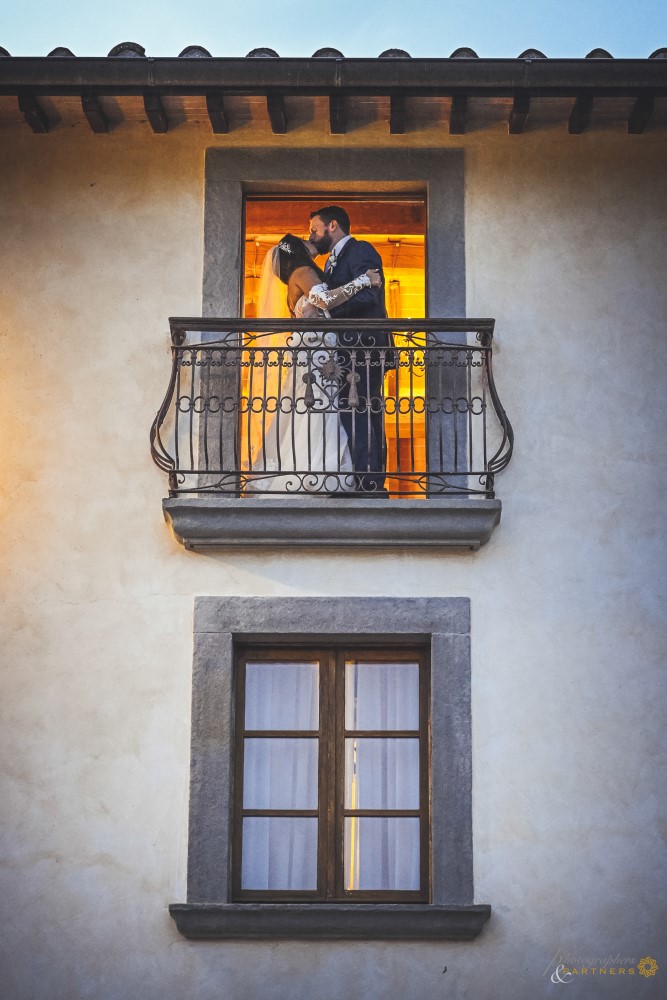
102	240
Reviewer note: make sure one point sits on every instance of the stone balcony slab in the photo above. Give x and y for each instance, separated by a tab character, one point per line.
226	522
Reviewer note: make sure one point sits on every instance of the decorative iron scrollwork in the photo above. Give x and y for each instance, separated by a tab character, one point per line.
241	403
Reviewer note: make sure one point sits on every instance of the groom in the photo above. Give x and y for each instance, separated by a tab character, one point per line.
364	425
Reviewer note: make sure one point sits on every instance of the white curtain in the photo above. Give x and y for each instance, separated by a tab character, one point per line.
381	774
382	852
280	773
282	695
279	852
381	695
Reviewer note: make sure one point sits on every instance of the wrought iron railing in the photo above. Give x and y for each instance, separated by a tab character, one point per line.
271	407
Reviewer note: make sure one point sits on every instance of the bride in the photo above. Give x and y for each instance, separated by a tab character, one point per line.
299	444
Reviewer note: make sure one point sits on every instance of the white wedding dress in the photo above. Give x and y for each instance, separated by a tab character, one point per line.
303	446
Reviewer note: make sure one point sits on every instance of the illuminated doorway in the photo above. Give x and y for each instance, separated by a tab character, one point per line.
396	226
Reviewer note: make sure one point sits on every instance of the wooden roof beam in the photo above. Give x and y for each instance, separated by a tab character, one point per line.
155	113
275	105
215	106
457	115
397	114
337	114
94	112
641	114
519	114
33	112
580	116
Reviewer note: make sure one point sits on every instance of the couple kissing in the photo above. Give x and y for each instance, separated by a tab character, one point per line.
333	445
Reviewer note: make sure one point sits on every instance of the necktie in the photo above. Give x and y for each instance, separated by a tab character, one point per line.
330	264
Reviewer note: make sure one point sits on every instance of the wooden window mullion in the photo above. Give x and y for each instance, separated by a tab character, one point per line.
338	758
327	779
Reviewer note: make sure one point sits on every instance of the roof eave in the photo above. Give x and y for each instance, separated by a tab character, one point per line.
317	76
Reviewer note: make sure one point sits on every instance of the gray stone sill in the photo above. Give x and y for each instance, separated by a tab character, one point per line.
368	922
222	522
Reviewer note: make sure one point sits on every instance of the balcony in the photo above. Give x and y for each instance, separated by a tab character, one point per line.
272	434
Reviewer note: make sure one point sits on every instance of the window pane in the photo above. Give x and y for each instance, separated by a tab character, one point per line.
381	774
381	695
279	853
381	853
280	774
282	695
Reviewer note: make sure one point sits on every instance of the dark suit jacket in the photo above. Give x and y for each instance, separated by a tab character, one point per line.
357	257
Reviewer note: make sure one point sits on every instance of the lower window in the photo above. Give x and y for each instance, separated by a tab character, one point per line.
331	770
331	775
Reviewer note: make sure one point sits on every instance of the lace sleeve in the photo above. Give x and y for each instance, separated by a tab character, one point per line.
328	298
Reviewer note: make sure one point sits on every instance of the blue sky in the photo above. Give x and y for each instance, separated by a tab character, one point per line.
565	28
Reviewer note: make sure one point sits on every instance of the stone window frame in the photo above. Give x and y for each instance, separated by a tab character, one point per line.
225	521
233	173
221	624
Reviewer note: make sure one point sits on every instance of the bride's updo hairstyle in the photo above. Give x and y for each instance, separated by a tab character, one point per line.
291	254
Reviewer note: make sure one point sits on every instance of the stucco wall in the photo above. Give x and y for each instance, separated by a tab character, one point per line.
102	240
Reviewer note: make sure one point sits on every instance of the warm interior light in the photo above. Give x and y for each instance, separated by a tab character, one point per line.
397	229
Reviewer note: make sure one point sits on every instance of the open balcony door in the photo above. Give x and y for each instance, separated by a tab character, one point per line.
396	227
